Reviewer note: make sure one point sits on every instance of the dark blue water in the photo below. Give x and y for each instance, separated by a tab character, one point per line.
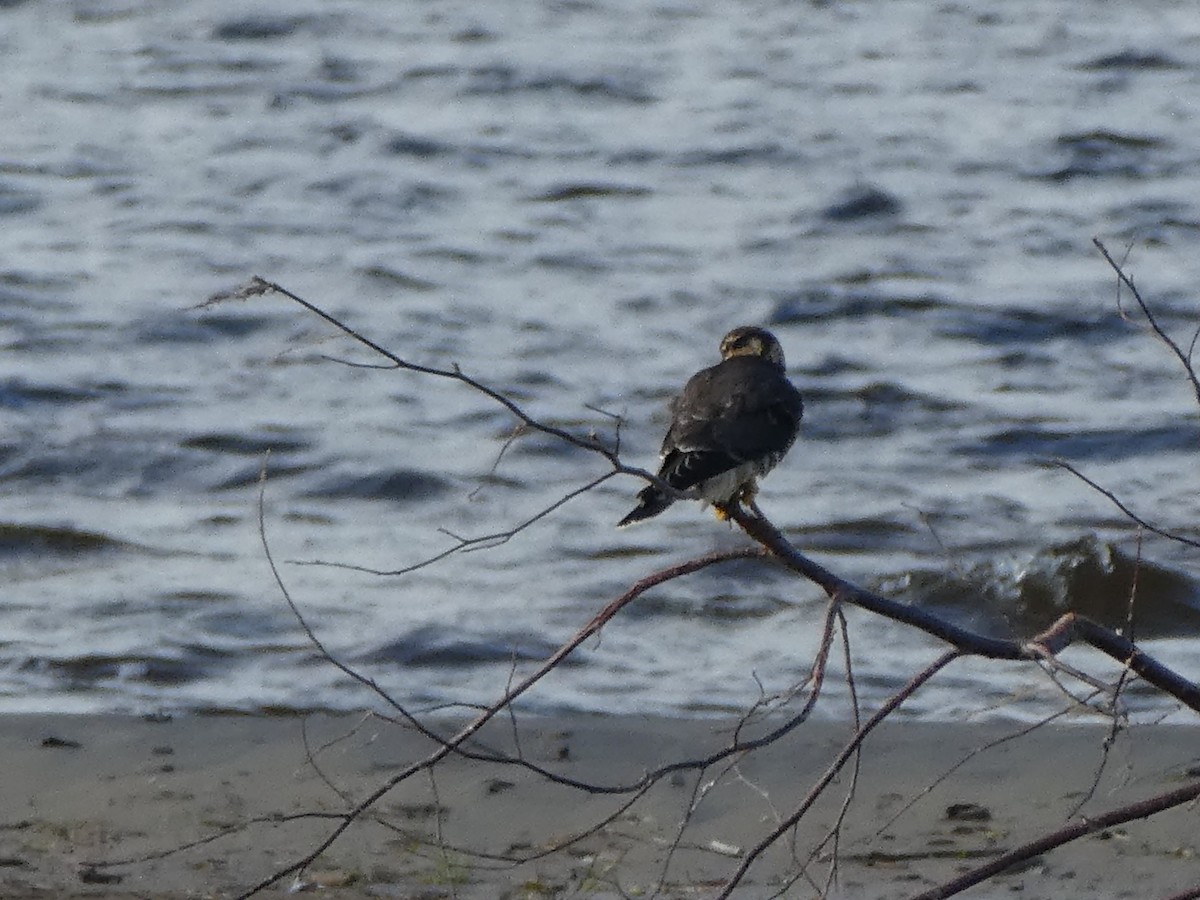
573	202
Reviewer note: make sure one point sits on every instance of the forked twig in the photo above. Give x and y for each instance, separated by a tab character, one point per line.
739	749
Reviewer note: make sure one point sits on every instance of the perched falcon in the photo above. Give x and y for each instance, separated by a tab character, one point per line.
731	424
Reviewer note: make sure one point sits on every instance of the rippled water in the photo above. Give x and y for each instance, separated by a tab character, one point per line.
573	201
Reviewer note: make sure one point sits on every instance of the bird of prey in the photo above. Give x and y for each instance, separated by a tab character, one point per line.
731	424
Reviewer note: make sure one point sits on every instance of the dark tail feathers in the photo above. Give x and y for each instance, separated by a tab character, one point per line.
651	501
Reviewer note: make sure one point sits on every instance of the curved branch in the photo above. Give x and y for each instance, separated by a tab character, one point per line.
1069	628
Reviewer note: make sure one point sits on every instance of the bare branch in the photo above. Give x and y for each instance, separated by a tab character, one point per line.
739	749
1067	629
834	834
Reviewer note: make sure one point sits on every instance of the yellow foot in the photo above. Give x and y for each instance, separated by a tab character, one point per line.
721	512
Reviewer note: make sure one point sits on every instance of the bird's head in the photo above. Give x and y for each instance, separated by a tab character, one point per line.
749	340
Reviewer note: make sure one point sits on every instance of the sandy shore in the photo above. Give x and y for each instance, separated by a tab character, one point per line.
77	790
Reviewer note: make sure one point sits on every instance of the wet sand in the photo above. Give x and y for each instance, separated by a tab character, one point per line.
78	790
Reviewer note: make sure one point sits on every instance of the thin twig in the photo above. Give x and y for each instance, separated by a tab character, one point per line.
1123	278
465	544
258	285
1130	514
835	833
983	748
1118	719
